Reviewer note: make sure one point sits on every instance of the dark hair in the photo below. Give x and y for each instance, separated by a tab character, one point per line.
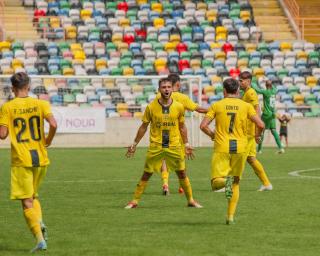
163	80
231	85
20	80
245	75
174	77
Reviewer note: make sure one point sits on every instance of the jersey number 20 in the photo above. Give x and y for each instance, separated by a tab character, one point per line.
34	127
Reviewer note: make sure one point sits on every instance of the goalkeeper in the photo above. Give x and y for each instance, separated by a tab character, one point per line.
269	113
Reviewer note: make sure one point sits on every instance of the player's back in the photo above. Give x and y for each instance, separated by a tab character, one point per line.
232	116
24	118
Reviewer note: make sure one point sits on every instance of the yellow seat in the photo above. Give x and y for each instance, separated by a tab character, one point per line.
202	6
100	64
7	71
157	7
220	56
16	63
47	82
208	90
85	14
108	83
160	64
216	79
251	47
68	71
285	46
215	47
138	115
211	15
175	38
116	38
128	71
258	72
169	47
122	107
75	47
54	22
302	55
79	55
298	99
311	81
71	32
221	37
137	88
195	64
245	15
221	30
158	22
124	22
122	47
140	2
242	63
5	46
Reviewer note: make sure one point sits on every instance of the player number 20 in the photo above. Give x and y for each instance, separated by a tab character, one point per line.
34	127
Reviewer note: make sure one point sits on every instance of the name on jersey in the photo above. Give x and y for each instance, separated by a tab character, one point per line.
229	107
165	124
21	111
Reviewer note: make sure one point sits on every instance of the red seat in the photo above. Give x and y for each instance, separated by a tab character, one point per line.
37	14
181	47
141	33
128	39
227	47
123	6
234	72
183	64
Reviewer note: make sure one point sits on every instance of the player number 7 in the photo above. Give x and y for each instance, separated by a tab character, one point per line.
232	118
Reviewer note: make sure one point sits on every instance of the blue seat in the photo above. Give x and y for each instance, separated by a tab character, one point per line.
200	72
135	47
294	72
104	72
56	100
204	47
93	98
177	14
173	56
286	98
214	98
136	24
145	7
274	46
187	72
139	71
186	38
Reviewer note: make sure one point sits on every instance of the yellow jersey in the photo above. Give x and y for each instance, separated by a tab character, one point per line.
187	103
250	96
164	129
231	117
24	118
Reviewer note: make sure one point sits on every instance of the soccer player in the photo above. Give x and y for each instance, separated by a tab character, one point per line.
269	113
284	120
250	96
231	116
166	117
188	105
22	119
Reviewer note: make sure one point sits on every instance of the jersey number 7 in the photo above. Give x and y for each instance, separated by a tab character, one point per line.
232	118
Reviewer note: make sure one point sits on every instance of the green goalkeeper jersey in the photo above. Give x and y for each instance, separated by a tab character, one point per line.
269	100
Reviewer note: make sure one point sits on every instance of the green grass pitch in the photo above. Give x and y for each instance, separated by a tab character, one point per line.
86	189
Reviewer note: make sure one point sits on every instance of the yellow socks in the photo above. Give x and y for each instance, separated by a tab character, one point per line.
185	184
33	222
165	176
139	191
218	183
37	208
233	202
258	169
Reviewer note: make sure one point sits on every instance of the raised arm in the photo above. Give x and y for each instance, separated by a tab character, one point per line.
141	132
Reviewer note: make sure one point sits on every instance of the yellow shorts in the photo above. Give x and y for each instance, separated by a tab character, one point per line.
224	164
25	181
251	147
175	161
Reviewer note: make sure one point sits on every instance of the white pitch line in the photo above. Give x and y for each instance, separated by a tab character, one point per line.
297	173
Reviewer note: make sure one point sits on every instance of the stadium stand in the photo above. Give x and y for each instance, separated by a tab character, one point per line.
211	39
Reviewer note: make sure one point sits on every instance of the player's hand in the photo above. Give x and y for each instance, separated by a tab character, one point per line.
189	152
258	139
131	150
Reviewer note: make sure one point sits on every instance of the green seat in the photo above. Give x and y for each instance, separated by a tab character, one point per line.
148	89
185	56
63	46
64	63
125	63
235	6
64	5
207	63
315	109
127	55
219	89
234	14
192	47
263	47
111	47
310	114
186	30
243	55
116	72
132	15
95	30
314	55
147	64
254	63
205	23
76	90
17	46
84	82
167	6
55	72
281	73
141	99
292	90
156	46
69	98
152	39
112	6
310	99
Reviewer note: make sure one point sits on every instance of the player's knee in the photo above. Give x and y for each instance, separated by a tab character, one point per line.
27	203
251	159
146	176
181	174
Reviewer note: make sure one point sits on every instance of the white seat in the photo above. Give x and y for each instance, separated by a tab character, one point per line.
299	81
81	98
244	33
287	81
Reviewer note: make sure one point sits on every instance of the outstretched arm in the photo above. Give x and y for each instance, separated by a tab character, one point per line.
201	110
141	132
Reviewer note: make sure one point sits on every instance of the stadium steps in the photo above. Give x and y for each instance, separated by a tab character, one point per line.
20	28
272	20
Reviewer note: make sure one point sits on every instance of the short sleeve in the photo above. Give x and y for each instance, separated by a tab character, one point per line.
4	115
46	108
251	111
211	112
253	98
147	115
189	104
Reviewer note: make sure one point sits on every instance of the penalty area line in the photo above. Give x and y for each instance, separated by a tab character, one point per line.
299	172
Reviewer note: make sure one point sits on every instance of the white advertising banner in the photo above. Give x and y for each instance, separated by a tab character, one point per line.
80	120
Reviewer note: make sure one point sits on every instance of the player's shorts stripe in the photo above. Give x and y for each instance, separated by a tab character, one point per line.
35	158
233	146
